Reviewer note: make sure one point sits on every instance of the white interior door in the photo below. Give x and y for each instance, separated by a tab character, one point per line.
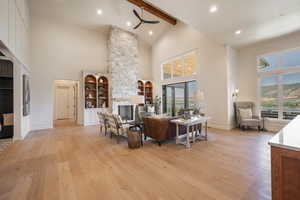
63	102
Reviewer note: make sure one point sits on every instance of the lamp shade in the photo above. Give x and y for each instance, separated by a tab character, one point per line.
138	99
200	95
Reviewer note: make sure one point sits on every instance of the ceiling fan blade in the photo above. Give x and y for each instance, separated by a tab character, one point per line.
137	15
138	25
151	22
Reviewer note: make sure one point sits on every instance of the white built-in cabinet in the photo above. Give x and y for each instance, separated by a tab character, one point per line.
14	28
93	96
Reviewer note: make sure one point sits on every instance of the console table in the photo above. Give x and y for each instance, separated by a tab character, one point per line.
190	124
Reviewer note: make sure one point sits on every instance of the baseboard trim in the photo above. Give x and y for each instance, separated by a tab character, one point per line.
217	125
41	126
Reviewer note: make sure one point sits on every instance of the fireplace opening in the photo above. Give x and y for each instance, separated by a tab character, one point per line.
126	112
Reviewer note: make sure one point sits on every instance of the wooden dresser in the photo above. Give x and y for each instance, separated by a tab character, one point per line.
285	162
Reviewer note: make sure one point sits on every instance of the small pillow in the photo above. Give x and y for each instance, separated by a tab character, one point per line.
151	109
245	113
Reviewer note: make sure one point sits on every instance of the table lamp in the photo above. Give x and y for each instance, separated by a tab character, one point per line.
136	100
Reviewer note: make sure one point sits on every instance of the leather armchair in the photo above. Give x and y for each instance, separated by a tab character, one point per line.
160	128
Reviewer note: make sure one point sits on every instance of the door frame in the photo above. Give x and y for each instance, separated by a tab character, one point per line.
69	83
186	96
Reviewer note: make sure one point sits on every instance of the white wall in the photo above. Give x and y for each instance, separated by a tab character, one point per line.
60	52
212	74
145	61
246	78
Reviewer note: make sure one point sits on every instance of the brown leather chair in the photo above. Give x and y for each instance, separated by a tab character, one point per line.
160	128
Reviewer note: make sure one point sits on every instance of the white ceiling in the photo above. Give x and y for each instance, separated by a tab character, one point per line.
258	19
84	13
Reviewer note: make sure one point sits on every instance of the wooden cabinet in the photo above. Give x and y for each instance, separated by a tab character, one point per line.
285	174
103	93
96	96
141	88
145	88
90	86
148	92
285	162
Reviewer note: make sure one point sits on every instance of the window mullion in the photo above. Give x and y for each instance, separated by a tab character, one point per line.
280	97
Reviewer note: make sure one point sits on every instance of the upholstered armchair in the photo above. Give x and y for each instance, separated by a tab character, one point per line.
102	122
244	114
116	126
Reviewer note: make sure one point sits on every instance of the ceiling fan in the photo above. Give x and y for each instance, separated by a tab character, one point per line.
143	21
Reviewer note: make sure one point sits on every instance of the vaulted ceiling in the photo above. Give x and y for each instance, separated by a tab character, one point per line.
257	19
84	13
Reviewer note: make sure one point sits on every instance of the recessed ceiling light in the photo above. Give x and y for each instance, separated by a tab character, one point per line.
213	9
150	32
238	32
128	23
99	12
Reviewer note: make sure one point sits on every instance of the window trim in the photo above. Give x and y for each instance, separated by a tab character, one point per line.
280	72
193	52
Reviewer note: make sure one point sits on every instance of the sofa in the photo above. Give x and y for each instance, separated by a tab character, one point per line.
161	128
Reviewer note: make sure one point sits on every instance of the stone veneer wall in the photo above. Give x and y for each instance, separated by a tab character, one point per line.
123	65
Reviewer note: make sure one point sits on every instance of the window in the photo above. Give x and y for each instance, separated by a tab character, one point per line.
279	85
181	66
179	95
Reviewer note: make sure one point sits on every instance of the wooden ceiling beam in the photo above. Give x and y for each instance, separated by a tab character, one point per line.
155	11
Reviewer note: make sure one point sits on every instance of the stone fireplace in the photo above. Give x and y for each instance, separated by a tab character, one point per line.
123	64
126	111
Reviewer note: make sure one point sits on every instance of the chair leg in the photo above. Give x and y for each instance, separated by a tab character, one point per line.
118	139
159	143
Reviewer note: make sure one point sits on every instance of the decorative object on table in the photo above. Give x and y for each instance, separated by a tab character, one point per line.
134	139
185	113
157	104
244	115
136	100
26	95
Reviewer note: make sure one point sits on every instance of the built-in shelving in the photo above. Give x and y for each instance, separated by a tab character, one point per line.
103	98
141	88
145	88
90	91
148	92
6	96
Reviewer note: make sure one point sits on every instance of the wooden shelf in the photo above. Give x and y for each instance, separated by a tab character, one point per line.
145	89
103	98
90	89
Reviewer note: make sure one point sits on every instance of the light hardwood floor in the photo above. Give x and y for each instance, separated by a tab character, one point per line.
77	163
